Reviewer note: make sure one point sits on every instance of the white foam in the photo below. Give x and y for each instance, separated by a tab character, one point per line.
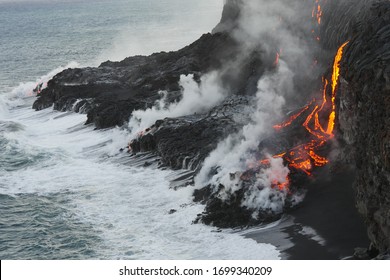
3	108
17	96
128	207
313	235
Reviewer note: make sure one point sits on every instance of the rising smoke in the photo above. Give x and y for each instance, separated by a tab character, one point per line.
284	31
277	27
235	152
196	99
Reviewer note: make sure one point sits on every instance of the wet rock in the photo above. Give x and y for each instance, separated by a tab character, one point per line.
186	141
229	213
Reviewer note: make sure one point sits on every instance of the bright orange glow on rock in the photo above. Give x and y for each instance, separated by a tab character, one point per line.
336	68
305	156
292	118
317	12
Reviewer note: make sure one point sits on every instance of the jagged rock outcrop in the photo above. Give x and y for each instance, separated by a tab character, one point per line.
112	91
230	14
202	133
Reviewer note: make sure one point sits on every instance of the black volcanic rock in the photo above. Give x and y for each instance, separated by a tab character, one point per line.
230	14
365	119
111	92
228	213
116	89
185	142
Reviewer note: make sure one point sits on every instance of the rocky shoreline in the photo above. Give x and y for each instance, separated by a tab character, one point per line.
110	93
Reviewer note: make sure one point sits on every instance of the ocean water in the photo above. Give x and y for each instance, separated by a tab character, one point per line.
66	190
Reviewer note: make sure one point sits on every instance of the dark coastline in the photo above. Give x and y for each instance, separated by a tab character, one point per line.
330	210
343	209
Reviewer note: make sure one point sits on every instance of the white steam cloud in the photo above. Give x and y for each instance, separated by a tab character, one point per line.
271	27
276	26
234	153
262	195
196	98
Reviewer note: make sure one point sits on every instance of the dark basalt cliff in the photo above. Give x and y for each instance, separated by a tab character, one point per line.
109	94
365	119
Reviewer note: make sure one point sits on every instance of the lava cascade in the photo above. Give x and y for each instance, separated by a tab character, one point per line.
319	123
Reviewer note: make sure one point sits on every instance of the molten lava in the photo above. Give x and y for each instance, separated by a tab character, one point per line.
291	119
319	112
317	12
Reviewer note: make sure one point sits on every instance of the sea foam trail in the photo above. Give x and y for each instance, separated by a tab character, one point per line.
128	207
16	97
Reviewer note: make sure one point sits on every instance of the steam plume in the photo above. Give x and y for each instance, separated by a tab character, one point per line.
276	28
196	98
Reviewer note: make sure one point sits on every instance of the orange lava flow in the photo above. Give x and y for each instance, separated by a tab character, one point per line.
317	12
281	185
305	156
335	81
292	118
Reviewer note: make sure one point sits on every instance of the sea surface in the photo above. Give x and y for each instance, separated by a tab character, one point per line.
66	190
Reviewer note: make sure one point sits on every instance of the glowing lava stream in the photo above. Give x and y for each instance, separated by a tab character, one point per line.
317	12
304	157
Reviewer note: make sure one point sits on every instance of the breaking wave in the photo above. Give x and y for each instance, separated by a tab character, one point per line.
67	191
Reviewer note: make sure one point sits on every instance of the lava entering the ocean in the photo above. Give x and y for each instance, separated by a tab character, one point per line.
319	123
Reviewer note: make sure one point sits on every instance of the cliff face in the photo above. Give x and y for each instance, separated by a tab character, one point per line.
230	14
365	119
364	101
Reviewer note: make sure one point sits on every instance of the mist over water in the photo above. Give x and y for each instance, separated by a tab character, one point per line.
66	190
39	36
